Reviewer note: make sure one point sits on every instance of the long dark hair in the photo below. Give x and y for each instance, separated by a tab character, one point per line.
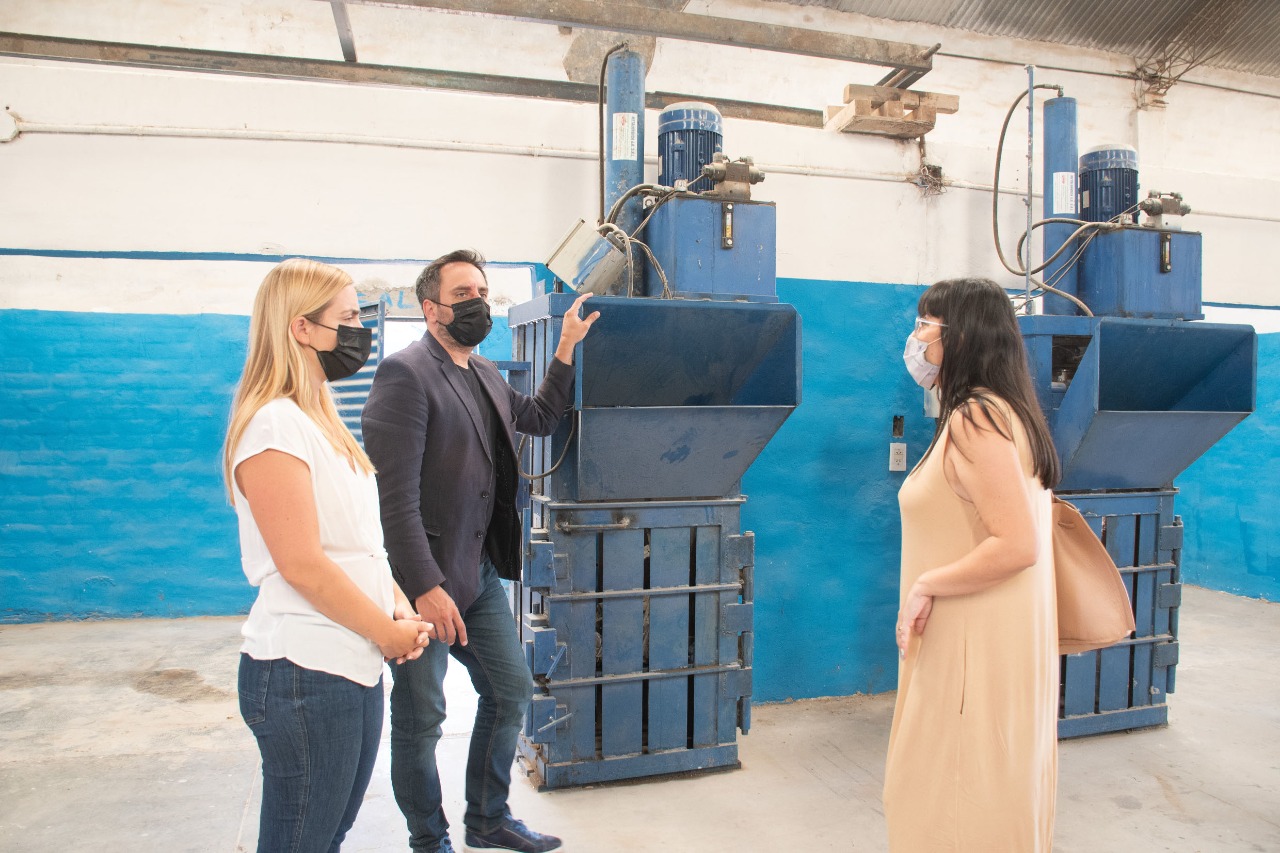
984	358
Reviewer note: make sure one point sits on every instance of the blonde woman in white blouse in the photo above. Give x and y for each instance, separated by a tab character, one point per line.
327	613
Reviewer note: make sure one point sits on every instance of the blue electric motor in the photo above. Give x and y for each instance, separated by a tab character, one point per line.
689	133
1108	182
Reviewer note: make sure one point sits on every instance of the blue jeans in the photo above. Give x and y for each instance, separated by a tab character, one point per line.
318	735
496	664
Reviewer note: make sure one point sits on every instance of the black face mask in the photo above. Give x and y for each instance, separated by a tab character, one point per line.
350	353
471	321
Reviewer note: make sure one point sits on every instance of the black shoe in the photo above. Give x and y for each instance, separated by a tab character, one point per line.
512	835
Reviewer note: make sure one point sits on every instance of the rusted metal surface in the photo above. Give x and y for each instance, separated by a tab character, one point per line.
742	109
645	20
902	78
283	67
259	65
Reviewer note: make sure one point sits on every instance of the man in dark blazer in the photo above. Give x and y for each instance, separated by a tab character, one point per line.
440	428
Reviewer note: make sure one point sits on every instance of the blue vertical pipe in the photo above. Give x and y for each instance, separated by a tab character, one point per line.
1061	199
624	135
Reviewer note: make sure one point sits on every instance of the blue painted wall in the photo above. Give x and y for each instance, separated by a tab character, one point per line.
111	500
1227	498
497	347
823	504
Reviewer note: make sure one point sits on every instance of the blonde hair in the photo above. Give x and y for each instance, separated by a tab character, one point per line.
277	365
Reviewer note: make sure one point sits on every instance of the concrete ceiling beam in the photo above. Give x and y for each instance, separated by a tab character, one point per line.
621	17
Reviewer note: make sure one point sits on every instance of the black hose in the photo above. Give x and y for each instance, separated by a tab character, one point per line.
604	64
995	192
568	442
1079	232
995	216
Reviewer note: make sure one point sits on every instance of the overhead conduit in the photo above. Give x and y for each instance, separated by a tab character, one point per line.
22	126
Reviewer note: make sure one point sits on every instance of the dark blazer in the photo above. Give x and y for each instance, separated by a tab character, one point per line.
436	472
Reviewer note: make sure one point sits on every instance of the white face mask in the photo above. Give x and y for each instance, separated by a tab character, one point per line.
924	373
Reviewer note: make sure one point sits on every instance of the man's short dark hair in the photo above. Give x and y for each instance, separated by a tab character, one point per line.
428	284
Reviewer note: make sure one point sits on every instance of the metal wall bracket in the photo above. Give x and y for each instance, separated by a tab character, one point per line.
546	652
557	721
544	717
540	567
1164	654
561	648
1170	536
566	527
736	618
740	551
737	682
1169	595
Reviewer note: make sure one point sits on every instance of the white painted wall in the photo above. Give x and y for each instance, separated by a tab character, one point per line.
124	160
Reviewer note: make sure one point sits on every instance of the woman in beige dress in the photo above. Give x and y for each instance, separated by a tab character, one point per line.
972	763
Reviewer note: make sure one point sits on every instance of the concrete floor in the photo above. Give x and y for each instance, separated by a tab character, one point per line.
125	735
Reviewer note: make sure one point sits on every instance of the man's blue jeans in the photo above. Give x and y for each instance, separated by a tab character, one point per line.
318	735
496	664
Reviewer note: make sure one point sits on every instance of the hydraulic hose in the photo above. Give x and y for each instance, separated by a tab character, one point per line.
995	214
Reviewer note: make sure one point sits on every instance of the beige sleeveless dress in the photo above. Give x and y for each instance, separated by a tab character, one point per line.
973	751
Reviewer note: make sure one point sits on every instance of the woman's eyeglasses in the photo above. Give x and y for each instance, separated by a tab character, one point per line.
921	323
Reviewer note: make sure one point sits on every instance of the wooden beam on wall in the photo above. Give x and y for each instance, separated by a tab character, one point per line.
886	111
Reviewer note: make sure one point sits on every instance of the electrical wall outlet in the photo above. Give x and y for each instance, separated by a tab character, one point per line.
897	456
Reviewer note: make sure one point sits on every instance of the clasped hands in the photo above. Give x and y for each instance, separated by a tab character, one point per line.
411	635
437	618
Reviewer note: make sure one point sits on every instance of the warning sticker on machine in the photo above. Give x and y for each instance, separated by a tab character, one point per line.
1064	193
625	136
